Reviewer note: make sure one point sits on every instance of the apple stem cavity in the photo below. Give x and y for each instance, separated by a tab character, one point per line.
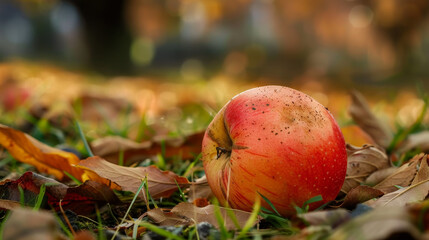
221	150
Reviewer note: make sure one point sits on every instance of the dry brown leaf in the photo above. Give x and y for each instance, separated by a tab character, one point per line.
361	162
81	199
160	183
380	223
361	113
46	159
418	140
378	176
403	196
423	173
162	218
9	204
200	189
360	194
207	214
26	224
327	217
110	147
403	176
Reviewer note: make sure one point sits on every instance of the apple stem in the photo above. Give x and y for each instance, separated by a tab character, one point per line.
221	150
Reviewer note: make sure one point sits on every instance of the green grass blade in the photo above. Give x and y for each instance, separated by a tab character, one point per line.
220	221
269	203
121	157
40	197
149	197
129	208
101	235
182	195
63	227
6	217
82	136
21	196
250	222
161	161
77	181
191	166
232	216
314	199
160	231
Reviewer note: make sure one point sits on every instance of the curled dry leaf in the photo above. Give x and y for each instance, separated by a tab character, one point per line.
361	162
380	223
207	214
417	191
27	224
160	183
9	204
46	159
110	147
403	196
200	189
403	176
378	176
361	113
360	194
423	172
81	199
167	218
328	217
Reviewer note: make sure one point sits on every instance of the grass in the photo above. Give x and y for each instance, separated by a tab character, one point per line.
192	118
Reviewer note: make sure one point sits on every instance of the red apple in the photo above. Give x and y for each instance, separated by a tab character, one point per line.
278	142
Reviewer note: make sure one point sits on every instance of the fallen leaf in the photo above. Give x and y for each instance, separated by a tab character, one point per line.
160	183
379	175
361	113
380	223
417	191
163	218
358	195
423	172
207	214
327	217
418	140
9	204
403	176
361	162
26	224
110	147
403	196
46	159
81	199
200	189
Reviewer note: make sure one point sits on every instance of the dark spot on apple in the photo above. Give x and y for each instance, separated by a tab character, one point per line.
277	134
268	104
253	108
259	139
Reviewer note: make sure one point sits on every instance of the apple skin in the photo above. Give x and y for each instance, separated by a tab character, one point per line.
278	142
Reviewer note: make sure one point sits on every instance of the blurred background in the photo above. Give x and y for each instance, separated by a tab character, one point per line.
350	42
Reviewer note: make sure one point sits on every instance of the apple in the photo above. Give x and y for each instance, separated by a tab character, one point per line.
274	141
